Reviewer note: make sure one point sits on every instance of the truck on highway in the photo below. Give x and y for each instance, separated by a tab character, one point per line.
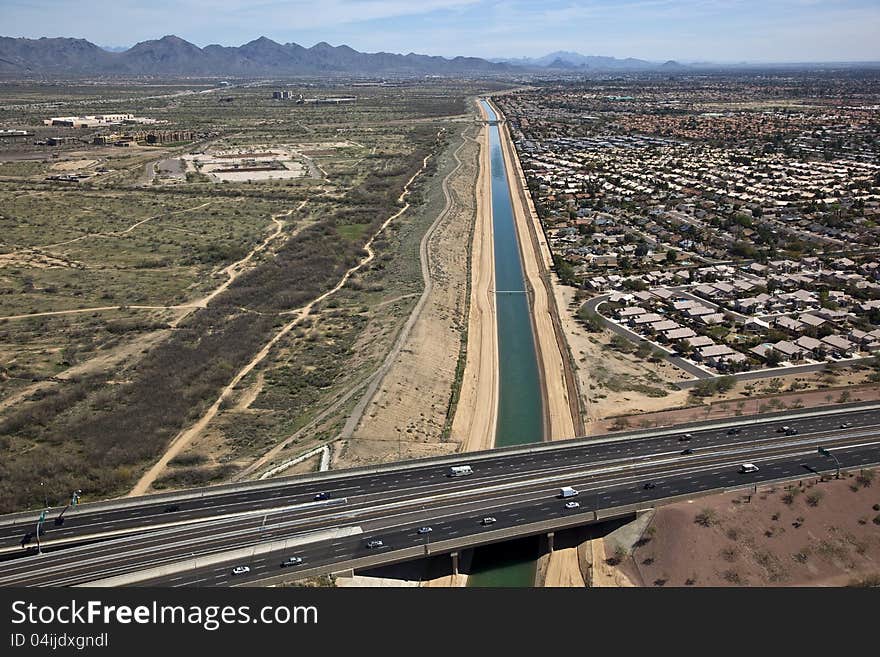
748	467
460	470
567	491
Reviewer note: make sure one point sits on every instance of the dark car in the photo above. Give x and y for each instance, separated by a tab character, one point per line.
171	508
291	561
687	451
322	496
791	432
649	484
686	436
734	431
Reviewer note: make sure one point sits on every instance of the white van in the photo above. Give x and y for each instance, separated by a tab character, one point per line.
567	491
460	470
748	467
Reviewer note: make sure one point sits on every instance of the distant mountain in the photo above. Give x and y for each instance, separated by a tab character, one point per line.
172	55
573	61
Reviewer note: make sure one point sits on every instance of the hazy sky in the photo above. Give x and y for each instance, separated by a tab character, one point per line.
687	30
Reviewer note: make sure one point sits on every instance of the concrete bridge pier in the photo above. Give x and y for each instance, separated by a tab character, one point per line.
550	536
454	556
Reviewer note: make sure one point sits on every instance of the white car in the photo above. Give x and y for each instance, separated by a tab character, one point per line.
425	530
572	505
240	570
375	544
488	521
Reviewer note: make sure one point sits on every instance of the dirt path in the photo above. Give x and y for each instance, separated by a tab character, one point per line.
375	379
476	415
118	233
237	268
184	438
232	272
425	261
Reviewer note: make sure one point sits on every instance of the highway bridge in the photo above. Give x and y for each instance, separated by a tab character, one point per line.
196	538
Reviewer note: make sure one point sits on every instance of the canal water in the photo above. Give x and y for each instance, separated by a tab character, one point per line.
520	411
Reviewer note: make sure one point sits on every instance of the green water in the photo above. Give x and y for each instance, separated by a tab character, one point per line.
520	411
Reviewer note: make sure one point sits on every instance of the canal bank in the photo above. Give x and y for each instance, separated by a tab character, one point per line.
520	417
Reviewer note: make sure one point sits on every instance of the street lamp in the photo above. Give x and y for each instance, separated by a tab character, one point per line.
74	500
40	528
827	452
45	495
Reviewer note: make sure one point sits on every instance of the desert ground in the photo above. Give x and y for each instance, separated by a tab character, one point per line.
807	533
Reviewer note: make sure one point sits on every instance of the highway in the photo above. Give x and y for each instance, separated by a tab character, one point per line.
279	518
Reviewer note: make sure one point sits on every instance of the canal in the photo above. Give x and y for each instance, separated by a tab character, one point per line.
520	410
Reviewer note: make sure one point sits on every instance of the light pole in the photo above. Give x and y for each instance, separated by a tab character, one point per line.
40	528
827	452
74	500
45	495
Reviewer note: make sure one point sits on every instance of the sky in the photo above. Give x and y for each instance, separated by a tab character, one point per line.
657	30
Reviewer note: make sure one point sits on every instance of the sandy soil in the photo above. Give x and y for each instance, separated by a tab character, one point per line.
763	541
475	418
603	574
742	407
73	165
563	569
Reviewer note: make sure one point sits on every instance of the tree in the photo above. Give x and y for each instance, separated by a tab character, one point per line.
671	256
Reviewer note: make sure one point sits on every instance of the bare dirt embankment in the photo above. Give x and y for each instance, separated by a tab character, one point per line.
475	418
806	533
404	412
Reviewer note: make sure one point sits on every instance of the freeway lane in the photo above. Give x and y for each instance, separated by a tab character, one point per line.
541	507
144	514
86	563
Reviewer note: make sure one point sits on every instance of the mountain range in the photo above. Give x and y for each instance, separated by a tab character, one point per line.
574	61
173	56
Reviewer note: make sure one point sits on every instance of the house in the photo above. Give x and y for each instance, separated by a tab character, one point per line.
839	346
789	324
755	325
710	320
631	311
788	350
811	345
679	334
701	341
665	325
811	320
698	311
648	318
713	352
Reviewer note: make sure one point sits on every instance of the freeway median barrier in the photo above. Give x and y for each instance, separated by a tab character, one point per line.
223	557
